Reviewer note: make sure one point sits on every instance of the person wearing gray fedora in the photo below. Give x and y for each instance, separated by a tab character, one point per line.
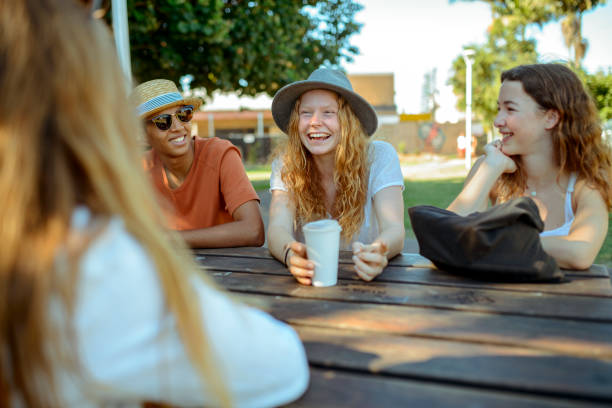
330	169
205	192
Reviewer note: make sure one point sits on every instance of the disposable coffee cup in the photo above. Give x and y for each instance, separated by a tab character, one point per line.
323	247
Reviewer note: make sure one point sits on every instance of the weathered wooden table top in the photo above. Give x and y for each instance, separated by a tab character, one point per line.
417	336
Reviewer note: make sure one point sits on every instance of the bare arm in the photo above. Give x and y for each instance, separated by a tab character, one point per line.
370	260
389	210
480	181
579	249
281	241
247	229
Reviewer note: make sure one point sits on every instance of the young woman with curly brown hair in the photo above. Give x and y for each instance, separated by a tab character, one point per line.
552	151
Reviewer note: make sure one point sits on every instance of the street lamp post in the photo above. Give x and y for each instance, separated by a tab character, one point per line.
467	53
122	38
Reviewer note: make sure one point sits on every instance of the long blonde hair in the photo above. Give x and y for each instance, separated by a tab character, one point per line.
68	137
577	142
303	181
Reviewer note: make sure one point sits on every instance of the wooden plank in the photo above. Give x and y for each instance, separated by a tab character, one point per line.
479	365
440	297
573	338
241	252
331	389
410	259
576	284
404	259
599	270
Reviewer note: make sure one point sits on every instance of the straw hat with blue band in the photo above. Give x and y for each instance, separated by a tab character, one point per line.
323	78
157	95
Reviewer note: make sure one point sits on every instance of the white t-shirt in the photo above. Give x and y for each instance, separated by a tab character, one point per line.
384	171
130	351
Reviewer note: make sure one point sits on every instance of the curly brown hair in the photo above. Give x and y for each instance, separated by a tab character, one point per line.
577	137
302	178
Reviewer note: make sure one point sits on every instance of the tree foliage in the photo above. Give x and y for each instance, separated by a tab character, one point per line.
600	86
539	12
235	45
508	44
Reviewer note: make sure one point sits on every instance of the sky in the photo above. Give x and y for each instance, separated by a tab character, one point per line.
411	37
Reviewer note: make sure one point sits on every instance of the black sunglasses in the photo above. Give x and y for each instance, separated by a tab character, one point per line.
164	121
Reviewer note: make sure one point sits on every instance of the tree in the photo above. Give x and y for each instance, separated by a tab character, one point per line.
571	25
508	45
600	86
542	11
234	45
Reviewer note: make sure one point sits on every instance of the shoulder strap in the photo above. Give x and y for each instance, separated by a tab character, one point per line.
569	211
571	183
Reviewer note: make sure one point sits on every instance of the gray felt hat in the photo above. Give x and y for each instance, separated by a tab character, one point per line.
323	78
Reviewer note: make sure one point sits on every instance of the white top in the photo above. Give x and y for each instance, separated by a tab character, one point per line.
128	345
384	171
564	230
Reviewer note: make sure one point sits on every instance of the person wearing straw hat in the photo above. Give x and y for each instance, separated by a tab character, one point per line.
205	191
329	169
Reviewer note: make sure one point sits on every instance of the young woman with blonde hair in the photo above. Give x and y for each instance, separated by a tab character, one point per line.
329	169
98	304
552	151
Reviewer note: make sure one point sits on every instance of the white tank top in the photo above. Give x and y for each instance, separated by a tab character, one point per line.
569	212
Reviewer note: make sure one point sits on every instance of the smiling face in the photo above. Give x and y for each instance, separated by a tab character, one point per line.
174	142
318	125
523	124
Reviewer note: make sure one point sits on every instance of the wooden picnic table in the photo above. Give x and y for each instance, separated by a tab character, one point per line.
420	337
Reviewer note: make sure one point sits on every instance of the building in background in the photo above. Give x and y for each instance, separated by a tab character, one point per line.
247	122
379	90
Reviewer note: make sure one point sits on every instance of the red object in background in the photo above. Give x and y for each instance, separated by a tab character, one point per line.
461	146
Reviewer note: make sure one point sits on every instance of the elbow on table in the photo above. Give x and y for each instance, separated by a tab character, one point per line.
252	232
577	259
577	263
571	254
257	235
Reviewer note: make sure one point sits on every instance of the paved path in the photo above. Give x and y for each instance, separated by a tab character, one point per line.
434	168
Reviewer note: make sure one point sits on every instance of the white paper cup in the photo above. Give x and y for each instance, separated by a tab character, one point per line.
323	247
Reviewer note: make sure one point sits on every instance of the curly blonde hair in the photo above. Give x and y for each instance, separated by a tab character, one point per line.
577	142
303	180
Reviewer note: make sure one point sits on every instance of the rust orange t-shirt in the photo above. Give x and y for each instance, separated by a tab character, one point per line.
214	188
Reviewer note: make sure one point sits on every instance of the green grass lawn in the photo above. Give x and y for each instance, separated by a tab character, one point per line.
260	185
438	193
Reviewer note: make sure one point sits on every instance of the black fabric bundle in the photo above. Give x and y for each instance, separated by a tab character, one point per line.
501	244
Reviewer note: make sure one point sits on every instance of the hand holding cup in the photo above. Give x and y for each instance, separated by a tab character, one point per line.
297	261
